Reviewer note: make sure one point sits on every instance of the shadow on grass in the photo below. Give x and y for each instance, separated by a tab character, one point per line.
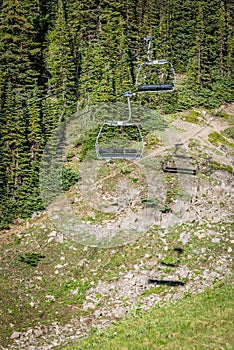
165	282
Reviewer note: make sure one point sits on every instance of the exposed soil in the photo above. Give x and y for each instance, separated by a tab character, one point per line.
182	247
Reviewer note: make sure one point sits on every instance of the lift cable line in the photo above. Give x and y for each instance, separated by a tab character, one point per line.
98	75
71	87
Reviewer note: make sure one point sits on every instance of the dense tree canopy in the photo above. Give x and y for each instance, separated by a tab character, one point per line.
58	55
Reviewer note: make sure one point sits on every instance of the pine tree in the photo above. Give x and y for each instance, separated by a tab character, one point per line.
59	64
57	56
18	51
17	47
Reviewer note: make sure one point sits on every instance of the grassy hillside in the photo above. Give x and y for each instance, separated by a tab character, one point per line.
204	321
55	290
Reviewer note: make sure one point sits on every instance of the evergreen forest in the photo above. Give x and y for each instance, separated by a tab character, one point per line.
58	57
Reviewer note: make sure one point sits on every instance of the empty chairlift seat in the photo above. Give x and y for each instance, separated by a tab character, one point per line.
118	153
156	76
119	140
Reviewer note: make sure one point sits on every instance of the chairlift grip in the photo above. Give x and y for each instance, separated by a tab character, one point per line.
127	94
149	38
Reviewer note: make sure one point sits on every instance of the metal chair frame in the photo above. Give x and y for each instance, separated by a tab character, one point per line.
151	87
118	152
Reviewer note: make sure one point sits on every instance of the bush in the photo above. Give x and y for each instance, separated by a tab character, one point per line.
69	178
31	259
229	132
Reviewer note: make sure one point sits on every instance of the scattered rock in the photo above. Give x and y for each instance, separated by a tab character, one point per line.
119	312
129	275
59	266
15	335
82	262
37	332
52	234
184	238
120	296
59	238
97	313
50	297
88	306
215	240
35	215
183	272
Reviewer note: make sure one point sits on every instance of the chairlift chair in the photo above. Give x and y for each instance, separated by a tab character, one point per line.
150	79
120	139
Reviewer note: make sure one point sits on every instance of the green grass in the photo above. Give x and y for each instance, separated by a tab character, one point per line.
44	281
191	117
31	278
215	138
216	165
204	321
229	132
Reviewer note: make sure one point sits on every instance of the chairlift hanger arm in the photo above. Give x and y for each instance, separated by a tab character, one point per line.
128	94
148	40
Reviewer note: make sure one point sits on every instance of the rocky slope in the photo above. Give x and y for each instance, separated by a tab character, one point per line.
55	288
